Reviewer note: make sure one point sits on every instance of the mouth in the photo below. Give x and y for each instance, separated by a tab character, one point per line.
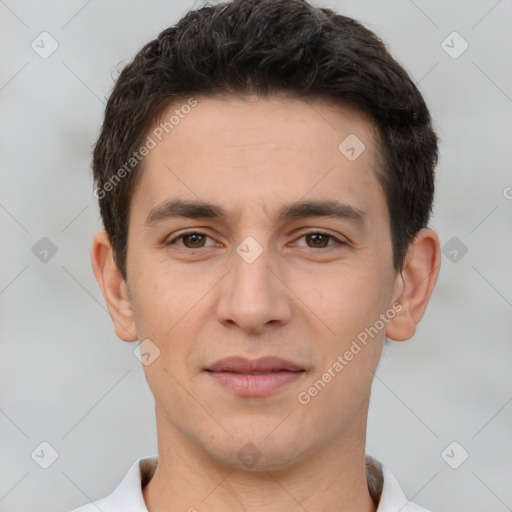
262	365
256	378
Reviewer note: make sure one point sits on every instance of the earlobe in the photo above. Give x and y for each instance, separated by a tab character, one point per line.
113	287
416	283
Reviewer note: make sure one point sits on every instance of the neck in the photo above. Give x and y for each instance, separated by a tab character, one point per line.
333	477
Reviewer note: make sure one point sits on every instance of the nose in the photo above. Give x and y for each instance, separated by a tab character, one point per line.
253	295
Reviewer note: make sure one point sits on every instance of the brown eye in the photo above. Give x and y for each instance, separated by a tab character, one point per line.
191	240
319	240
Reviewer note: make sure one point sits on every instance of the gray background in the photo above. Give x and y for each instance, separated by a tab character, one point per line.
66	379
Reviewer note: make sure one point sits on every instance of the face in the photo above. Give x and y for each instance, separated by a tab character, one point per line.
285	271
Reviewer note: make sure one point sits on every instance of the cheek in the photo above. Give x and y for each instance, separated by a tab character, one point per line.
164	297
345	300
170	311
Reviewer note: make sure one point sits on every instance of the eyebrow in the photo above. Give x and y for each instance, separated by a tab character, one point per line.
300	209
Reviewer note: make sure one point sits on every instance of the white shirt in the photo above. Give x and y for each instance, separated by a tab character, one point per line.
127	496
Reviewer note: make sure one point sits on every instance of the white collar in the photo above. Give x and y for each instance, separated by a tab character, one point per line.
128	497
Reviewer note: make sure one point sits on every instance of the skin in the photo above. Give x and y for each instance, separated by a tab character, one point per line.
305	299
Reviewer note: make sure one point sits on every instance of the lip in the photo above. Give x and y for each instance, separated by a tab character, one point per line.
263	364
257	377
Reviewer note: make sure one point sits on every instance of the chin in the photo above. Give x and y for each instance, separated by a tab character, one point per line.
255	450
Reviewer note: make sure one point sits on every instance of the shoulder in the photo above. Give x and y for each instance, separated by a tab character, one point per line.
127	496
385	489
94	507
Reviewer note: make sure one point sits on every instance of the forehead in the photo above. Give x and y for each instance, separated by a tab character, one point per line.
274	150
257	120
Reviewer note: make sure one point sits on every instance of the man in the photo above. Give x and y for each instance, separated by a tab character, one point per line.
265	175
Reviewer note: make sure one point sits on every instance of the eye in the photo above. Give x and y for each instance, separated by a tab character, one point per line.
197	240
191	240
319	239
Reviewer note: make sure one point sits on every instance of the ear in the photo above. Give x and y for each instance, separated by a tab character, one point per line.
415	284
113	287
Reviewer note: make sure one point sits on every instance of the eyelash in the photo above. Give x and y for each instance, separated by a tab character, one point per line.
316	232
